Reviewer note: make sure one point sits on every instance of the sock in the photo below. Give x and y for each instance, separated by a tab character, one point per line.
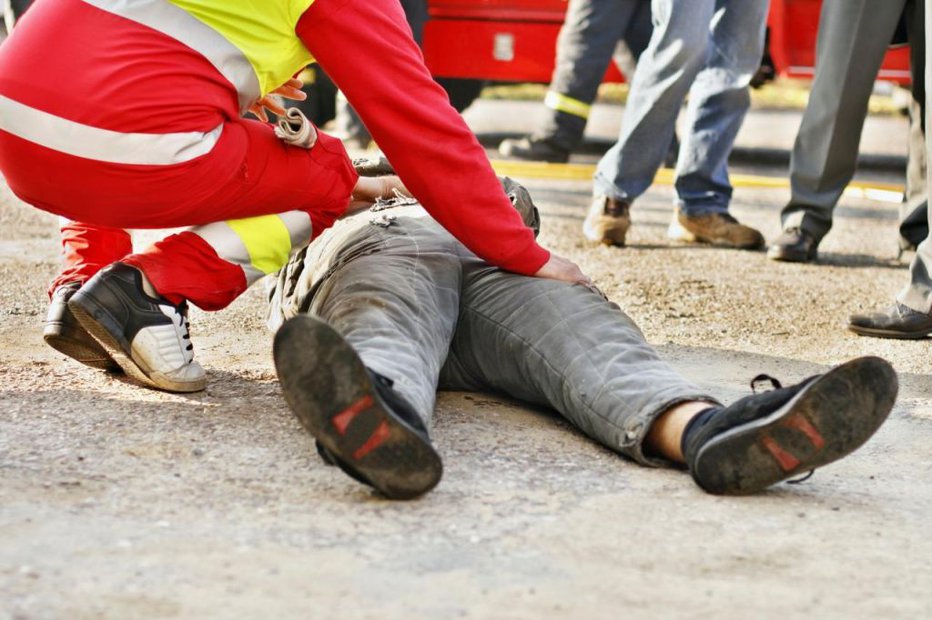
698	421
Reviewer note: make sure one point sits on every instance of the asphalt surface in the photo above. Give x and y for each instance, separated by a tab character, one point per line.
121	502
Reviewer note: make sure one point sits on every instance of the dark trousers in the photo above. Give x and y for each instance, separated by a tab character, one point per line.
853	38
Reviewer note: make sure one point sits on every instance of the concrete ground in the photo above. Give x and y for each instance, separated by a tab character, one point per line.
120	502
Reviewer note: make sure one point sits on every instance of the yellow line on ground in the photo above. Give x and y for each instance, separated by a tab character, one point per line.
584	172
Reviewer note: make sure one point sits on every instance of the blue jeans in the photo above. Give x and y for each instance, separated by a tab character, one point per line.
708	49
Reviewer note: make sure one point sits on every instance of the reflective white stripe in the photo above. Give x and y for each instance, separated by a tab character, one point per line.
233	248
180	25
229	247
298	224
59	134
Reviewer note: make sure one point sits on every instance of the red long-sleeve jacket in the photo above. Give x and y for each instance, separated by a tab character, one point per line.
137	93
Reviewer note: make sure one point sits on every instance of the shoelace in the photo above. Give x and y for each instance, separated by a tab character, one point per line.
761	378
775	384
182	312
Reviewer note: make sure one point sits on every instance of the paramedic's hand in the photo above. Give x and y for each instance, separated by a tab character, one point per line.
289	90
559	268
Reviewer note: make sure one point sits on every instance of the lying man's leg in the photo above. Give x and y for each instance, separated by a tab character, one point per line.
566	347
362	376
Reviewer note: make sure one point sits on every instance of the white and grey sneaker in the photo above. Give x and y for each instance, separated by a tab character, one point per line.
146	335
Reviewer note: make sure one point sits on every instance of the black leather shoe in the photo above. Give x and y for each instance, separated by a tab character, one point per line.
765	438
63	333
794	246
361	424
534	148
897	321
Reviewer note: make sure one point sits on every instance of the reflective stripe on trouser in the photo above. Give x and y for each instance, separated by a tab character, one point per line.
259	245
103	145
562	103
212	265
220	260
589	36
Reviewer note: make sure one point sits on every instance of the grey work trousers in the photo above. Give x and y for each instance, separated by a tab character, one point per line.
588	39
423	311
918	293
853	38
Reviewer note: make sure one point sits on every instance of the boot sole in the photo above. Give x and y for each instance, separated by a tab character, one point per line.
878	332
106	330
677	232
789	257
827	420
326	385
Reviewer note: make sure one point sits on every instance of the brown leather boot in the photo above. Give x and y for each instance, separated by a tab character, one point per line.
715	228
607	221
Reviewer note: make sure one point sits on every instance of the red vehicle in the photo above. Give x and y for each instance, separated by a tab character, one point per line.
469	42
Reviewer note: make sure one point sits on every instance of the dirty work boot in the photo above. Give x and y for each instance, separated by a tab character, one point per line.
897	321
607	221
766	438
715	228
360	423
534	148
146	335
794	245
63	333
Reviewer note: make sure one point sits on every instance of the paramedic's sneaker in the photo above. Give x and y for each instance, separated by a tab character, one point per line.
765	438
63	333
147	336
607	221
360	422
716	228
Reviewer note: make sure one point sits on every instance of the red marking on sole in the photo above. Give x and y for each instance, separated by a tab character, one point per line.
343	419
378	436
786	460
801	424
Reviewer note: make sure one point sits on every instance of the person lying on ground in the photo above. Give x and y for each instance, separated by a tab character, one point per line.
386	307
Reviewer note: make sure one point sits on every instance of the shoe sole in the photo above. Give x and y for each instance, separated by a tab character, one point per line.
779	255
326	385
518	155
78	350
106	330
607	241
677	232
827	420
877	332
540	160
